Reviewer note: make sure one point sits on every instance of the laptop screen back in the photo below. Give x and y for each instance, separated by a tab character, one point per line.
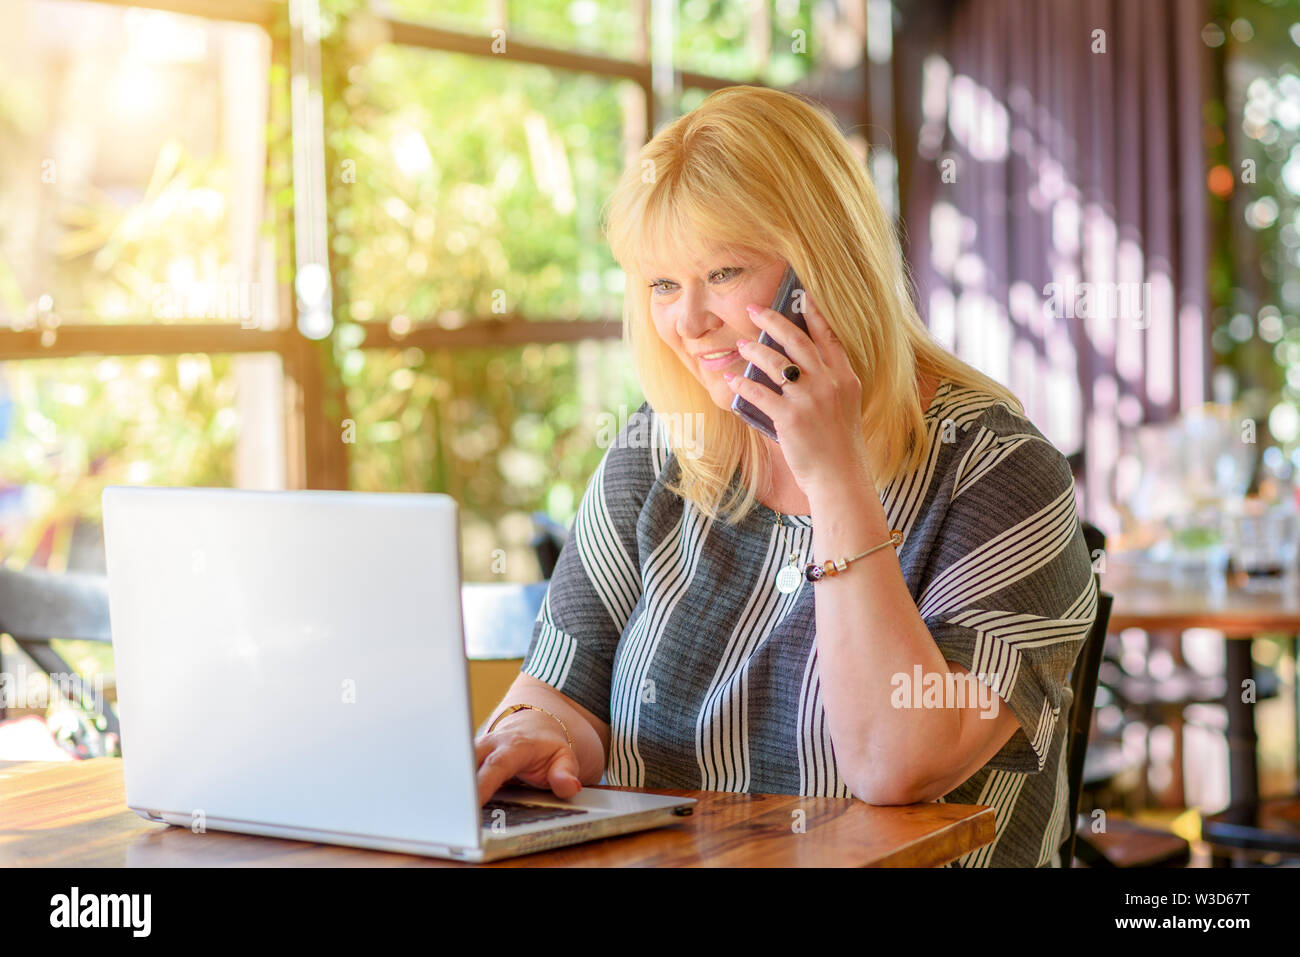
293	659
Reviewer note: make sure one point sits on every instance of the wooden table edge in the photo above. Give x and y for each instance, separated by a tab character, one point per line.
979	826
983	823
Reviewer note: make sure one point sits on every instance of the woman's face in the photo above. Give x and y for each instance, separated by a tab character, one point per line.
698	309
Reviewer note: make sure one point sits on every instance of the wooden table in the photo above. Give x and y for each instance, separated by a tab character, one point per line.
1228	603
73	814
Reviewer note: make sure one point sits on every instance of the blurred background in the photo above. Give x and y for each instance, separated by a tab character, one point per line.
343	244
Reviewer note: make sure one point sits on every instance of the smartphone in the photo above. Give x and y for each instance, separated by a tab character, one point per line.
784	303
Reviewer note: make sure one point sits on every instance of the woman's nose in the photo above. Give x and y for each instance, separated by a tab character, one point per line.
695	317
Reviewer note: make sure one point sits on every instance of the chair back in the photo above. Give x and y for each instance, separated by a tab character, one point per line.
38	606
548	539
1083	684
499	617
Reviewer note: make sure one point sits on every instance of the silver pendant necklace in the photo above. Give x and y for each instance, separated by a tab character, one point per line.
790	578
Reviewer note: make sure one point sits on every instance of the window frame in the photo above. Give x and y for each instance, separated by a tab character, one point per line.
315	459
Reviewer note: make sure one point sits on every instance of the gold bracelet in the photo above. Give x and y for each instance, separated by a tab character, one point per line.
520	707
815	573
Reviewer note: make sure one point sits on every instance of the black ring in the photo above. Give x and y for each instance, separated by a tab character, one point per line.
791	373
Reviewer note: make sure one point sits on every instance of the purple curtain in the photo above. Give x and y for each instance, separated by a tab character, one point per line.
1054	199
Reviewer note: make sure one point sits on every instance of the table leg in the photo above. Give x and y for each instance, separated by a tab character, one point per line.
1295	686
1243	765
1174	793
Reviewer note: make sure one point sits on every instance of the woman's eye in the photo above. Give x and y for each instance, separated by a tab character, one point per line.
718	275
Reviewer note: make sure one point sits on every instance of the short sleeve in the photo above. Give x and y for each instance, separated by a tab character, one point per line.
596	582
1011	594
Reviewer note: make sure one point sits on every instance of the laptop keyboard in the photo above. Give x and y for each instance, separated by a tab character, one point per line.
517	813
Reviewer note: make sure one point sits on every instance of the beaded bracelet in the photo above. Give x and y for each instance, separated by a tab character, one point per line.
814	572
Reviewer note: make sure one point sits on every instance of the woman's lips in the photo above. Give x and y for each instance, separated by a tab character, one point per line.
721	362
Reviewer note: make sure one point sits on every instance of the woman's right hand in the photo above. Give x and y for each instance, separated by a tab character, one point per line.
532	747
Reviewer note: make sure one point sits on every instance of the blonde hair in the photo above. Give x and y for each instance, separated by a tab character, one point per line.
756	169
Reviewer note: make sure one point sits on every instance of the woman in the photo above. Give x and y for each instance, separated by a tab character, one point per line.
671	651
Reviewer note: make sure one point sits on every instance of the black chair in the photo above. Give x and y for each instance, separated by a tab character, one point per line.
37	607
1083	682
499	617
547	542
1254	830
1123	844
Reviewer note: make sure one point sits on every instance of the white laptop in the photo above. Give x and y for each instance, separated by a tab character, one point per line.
292	664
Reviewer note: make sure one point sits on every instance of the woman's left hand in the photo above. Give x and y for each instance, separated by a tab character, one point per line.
818	417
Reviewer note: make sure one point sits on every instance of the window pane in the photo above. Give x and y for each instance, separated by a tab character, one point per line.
69	427
465	16
471	186
606	27
714	37
504	431
823	57
691	98
790	56
134	155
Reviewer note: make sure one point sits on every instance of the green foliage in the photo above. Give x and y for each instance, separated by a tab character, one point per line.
457	187
81	424
1252	130
464	187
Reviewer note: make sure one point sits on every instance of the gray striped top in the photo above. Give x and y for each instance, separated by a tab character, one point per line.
669	626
